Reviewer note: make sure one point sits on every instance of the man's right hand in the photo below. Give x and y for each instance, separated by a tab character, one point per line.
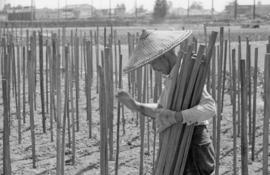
127	100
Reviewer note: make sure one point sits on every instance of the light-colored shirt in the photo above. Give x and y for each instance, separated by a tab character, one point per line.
198	114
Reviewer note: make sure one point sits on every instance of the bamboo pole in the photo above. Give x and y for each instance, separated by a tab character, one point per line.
118	117
164	136
24	76
66	108
34	52
69	68
254	103
155	99
27	43
109	98
146	91
195	43
97	55
186	140
139	98
221	57
77	85
248	79
6	111
219	102
244	143
230	62
129	54
103	125
47	54
81	53
266	113
111	95
72	73
115	58
88	88
62	45
6	145
122	106
41	81
191	70
105	38
59	123
31	85
198	86
14	75
239	84
151	83
91	57
84	52
52	85
224	72
19	94
234	105
214	95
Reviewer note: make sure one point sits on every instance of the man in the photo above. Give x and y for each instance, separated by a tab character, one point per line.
157	49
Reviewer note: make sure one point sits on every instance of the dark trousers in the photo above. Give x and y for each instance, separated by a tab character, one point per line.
201	155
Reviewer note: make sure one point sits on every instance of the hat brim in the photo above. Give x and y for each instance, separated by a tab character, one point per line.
141	62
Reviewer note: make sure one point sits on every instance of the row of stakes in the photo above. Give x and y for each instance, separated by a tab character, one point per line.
44	61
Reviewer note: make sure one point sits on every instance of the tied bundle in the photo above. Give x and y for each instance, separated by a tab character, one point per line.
189	80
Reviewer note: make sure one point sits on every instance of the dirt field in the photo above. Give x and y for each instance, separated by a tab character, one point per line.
87	150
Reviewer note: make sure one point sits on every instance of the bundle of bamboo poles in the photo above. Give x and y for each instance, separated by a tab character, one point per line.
184	94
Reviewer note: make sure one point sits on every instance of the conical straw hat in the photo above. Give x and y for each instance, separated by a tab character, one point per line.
152	44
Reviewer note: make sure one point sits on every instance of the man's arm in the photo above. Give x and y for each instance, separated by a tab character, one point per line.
164	117
205	110
147	109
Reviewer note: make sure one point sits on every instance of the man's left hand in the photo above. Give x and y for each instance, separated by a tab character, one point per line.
165	118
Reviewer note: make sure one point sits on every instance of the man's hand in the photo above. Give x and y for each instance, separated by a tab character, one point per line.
127	100
165	118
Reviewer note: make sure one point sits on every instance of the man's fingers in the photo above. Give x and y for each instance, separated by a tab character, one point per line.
122	94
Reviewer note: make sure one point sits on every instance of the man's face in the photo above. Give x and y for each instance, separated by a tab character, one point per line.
161	64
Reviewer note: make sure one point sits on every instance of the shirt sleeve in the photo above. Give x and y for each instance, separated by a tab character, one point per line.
205	110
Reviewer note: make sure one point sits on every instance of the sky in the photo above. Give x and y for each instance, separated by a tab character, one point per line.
130	4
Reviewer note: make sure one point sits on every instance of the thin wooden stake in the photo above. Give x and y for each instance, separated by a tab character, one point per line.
66	108
42	82
118	118
219	101
254	103
59	123
224	73
266	113
115	58
19	94
244	143
97	55
139	86
234	105
31	85
6	115
103	125
239	86
248	79
214	95
47	56
88	81
24	76
122	106
109	98
77	83
72	72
